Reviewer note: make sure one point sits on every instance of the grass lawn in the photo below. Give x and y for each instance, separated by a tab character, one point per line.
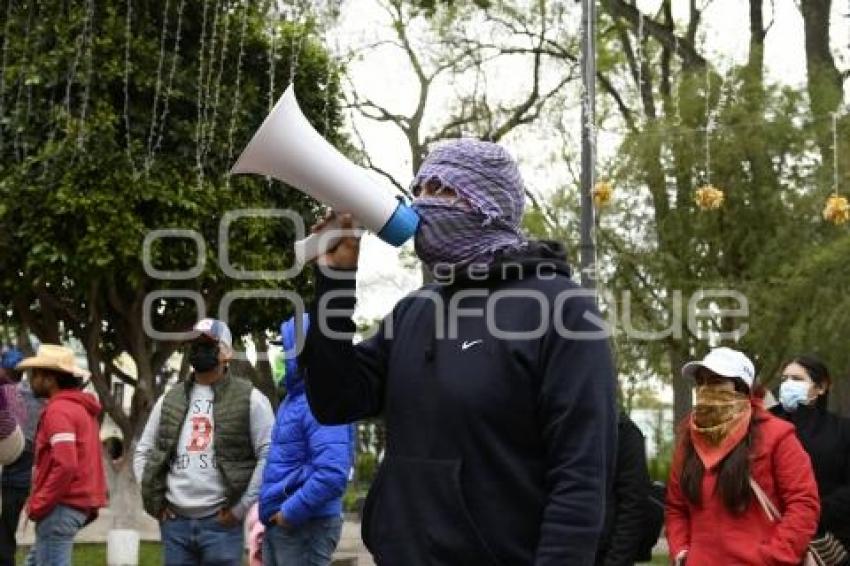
95	554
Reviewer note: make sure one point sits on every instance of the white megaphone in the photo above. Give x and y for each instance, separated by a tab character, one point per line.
287	148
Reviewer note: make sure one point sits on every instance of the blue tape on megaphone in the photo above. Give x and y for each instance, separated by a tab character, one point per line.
401	225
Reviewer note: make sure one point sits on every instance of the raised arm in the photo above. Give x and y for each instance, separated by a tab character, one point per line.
345	382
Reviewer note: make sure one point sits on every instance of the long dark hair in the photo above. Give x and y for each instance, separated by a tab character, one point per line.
733	474
819	373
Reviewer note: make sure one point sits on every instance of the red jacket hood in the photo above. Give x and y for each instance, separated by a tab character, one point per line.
87	400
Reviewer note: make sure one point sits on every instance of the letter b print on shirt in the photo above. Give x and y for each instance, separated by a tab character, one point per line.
202	432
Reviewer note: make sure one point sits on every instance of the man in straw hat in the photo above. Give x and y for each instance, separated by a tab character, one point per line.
201	456
70	483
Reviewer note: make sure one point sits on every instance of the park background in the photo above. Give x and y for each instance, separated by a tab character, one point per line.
723	143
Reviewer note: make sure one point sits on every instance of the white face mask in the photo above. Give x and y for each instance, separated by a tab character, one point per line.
793	394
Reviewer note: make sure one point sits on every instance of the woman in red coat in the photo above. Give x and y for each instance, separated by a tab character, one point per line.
712	515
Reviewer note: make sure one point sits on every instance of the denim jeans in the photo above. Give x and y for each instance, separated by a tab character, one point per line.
310	544
201	542
54	537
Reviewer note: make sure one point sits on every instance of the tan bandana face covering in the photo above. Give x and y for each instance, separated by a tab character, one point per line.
718	410
720	421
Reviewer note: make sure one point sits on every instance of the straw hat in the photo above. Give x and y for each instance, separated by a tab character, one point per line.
52	356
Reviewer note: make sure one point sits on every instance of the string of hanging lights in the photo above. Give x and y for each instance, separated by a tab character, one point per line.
837	209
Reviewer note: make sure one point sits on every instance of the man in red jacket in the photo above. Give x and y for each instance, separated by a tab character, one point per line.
70	484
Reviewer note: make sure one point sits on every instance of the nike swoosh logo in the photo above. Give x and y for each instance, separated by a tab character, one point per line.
466	345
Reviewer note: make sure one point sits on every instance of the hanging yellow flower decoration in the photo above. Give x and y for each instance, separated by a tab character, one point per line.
709	197
603	194
837	210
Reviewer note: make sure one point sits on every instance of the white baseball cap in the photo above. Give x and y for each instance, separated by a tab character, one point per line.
726	362
216	330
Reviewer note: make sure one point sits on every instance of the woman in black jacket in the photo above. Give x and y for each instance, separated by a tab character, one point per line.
803	398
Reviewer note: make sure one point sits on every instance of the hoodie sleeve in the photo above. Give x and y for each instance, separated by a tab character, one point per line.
61	435
344	382
578	417
329	455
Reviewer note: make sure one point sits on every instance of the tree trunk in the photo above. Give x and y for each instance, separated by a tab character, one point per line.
125	501
263	375
682	389
824	80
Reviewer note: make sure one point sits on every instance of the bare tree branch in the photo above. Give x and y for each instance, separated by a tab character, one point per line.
682	46
458	53
371	165
115	371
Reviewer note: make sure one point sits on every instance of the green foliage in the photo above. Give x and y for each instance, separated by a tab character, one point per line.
431	6
365	467
354	496
803	309
107	135
659	466
654	241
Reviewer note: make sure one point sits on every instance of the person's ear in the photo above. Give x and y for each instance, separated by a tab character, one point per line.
225	353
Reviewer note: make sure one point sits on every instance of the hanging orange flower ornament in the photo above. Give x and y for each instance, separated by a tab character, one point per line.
837	210
709	197
603	194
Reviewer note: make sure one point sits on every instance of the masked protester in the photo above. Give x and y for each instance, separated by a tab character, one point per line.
730	446
803	395
201	456
496	386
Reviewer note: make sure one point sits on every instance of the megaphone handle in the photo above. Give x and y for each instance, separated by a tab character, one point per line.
316	244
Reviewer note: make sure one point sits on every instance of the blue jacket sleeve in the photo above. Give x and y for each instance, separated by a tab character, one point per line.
330	454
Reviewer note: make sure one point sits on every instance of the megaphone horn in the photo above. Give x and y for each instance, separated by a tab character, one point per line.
287	148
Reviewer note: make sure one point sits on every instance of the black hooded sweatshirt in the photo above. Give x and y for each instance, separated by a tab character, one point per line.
499	447
826	438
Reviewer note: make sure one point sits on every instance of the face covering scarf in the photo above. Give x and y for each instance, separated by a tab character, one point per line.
450	234
720	420
486	178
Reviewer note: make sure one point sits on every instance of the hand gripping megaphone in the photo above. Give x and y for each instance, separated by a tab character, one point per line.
287	148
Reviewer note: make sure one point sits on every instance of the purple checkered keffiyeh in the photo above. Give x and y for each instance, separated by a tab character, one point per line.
486	176
7	417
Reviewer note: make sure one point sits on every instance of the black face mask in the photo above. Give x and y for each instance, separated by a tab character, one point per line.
203	356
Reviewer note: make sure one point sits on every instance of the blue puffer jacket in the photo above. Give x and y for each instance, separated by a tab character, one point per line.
308	463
